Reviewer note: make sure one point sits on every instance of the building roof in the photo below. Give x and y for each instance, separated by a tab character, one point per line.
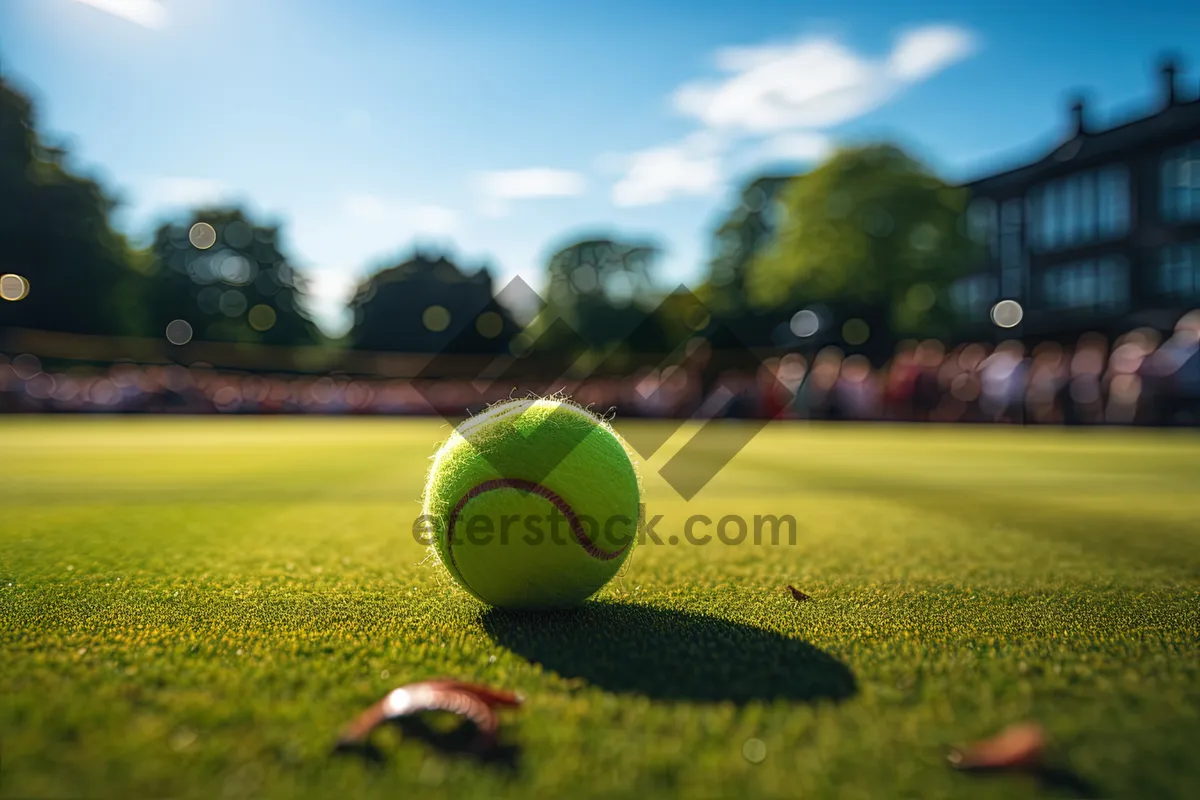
1174	117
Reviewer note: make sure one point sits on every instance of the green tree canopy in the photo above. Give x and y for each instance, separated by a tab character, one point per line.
428	304
55	233
602	290
744	232
871	231
227	277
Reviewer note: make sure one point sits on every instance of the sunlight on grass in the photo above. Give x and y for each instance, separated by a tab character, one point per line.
194	607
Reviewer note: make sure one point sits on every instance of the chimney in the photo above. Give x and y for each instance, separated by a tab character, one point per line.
1079	116
1170	71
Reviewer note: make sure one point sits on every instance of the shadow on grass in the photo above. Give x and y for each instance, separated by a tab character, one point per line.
1066	781
675	655
1058	780
460	741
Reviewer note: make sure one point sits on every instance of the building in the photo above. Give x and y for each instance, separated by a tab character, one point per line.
1101	233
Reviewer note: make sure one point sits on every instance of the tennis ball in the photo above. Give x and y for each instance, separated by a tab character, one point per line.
532	504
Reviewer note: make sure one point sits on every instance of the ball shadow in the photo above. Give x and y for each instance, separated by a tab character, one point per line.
667	654
459	742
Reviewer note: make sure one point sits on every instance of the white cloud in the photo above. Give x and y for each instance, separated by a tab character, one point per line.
789	95
499	188
147	13
812	84
815	82
922	52
690	167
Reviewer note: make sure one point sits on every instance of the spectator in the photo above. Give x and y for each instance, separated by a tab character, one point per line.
1143	380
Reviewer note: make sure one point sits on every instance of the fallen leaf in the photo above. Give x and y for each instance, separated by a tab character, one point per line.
471	701
1017	747
799	595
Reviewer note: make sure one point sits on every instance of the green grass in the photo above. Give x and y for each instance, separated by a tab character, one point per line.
194	608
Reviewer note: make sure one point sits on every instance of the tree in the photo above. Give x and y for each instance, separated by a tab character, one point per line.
54	232
227	277
745	232
870	233
599	292
428	304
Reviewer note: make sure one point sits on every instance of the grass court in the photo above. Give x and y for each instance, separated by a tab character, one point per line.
194	607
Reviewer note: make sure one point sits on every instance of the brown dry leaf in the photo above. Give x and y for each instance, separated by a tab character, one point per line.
799	595
471	701
1017	747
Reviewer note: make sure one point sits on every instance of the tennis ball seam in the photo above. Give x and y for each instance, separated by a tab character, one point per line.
521	485
450	454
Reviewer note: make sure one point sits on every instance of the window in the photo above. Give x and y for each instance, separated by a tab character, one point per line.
1033	218
1114	201
1122	200
1087	206
1050	217
1168	181
1179	271
1087	285
1070	211
1079	209
1113	284
972	296
1081	285
1181	184
1011	255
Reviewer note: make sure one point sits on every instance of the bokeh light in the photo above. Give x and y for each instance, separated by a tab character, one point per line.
521	344
754	751
924	237
489	324
436	318
202	235
856	331
40	386
805	323
921	297
13	287
235	269
262	317
179	331
233	303
26	365
1007	314
1094	380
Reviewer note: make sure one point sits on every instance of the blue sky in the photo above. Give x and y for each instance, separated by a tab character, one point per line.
505	128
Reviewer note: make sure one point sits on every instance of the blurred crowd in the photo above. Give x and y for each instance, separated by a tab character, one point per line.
1139	378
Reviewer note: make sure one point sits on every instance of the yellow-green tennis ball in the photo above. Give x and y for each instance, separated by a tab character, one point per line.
533	504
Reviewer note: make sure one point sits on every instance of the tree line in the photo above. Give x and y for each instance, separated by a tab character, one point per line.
871	237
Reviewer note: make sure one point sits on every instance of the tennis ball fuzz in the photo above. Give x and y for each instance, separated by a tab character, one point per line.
532	504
